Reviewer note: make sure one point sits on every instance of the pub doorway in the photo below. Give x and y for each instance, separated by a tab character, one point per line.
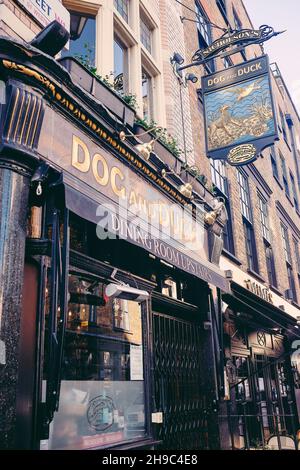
179	391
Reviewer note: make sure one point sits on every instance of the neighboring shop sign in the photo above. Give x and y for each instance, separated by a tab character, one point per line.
45	11
239	112
261	291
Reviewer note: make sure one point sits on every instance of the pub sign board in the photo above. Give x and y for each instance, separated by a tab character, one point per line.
239	114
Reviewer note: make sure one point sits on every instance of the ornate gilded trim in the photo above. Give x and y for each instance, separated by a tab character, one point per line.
23	120
83	117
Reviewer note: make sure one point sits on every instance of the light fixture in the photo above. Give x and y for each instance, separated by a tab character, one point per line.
145	149
190	77
77	24
177	58
51	39
186	190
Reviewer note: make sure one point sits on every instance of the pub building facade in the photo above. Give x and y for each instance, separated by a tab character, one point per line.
81	366
201	358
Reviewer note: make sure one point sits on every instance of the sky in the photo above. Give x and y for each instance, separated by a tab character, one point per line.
283	49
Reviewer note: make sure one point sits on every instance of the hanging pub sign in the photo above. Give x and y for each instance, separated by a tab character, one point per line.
239	115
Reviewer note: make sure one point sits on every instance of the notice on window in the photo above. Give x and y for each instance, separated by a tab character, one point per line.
136	362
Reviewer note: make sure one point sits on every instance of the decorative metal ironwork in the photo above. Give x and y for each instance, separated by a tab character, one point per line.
177	384
261	338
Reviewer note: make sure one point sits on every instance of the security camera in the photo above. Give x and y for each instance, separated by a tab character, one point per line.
125	292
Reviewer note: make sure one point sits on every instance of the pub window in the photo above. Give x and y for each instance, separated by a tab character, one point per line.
274	164
247	221
146	34
294	191
250	246
270	265
122	6
286	243
283	125
264	217
236	20
121	314
221	4
297	254
284	176
83	46
102	396
227	62
244	195
219	179
120	65
147	95
292	286
204	33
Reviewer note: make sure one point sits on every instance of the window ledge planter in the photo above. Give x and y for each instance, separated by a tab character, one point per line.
82	77
172	160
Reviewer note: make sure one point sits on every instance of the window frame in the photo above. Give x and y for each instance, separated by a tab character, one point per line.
204	32
284	175
270	264
264	217
286	243
118	5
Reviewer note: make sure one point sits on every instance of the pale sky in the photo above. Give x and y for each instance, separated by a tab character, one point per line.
283	49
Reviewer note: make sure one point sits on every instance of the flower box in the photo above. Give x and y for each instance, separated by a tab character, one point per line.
82	77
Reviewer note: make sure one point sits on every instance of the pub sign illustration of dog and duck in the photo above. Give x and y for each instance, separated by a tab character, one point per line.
239	113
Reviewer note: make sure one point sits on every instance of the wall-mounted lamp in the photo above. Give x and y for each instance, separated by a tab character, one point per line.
77	24
190	77
145	149
186	190
177	58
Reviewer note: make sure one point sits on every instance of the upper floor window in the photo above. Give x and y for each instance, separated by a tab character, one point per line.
246	209
283	124
292	286
123	8
219	179
244	196
218	176
147	95
221	4
294	191
264	217
120	65
83	43
270	265
237	22
284	176
204	32
274	164
286	243
146	34
227	62
297	254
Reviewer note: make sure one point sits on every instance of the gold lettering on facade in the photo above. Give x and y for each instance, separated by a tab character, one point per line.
104	178
81	165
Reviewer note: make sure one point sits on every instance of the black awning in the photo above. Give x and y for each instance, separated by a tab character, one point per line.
258	310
